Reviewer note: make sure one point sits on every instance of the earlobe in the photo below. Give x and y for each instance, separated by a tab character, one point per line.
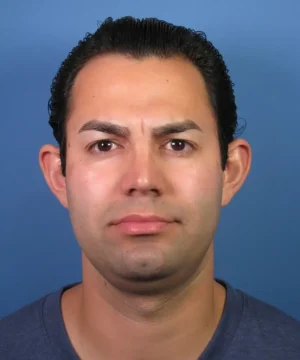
237	168
50	163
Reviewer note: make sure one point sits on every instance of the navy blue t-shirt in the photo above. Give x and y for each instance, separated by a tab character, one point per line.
249	330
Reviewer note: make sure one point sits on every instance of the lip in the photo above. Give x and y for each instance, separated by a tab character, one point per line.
141	218
137	224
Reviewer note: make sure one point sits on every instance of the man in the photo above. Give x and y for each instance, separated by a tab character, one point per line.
145	116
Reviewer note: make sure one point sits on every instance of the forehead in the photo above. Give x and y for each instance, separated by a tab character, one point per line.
115	86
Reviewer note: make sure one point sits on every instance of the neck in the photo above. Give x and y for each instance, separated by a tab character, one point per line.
105	323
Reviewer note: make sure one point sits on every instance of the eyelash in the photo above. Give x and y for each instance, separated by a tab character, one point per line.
93	146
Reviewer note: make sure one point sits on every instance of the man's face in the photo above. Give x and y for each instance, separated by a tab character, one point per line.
143	169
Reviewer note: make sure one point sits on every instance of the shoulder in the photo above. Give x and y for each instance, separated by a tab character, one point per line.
269	328
269	317
27	317
23	333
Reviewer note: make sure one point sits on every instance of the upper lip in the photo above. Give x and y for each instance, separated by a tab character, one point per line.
141	218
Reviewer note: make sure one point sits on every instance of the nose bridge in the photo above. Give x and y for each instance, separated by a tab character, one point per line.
143	173
143	164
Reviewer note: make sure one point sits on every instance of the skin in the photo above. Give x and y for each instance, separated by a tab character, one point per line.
139	292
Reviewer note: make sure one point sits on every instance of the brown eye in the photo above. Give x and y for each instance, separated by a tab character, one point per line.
178	145
104	145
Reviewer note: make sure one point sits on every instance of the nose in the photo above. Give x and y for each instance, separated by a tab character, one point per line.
143	175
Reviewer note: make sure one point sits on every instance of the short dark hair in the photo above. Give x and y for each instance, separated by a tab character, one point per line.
140	38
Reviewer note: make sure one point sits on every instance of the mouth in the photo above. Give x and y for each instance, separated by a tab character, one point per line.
142	224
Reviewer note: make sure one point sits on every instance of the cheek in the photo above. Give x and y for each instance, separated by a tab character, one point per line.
201	182
201	191
86	187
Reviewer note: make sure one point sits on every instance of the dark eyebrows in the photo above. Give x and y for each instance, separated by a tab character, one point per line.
121	131
175	128
105	127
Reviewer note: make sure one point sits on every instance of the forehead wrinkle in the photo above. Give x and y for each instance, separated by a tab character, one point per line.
143	126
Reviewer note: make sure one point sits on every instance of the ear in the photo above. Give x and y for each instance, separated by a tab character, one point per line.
50	163
237	168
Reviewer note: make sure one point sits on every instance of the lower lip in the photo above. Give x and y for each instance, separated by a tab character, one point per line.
142	228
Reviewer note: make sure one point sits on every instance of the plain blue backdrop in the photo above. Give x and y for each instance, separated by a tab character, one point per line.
258	240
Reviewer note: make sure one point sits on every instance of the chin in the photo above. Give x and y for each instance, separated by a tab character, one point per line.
145	276
142	280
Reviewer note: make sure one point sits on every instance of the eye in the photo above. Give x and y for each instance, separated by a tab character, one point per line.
102	146
179	145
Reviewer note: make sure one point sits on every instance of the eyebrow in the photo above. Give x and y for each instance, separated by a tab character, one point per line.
122	131
173	128
105	127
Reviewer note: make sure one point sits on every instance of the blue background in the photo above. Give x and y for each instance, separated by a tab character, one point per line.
257	243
